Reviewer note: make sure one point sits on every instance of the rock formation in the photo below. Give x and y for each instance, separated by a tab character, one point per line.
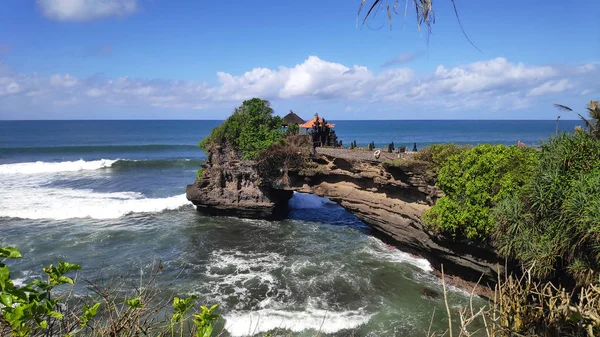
388	198
230	186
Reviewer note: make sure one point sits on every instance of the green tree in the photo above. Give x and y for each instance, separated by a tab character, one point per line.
555	224
251	129
474	181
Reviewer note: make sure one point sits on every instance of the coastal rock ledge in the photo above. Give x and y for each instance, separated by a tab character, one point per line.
390	199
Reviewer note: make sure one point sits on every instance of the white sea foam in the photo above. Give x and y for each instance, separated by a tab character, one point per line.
306	201
243	323
232	273
65	203
49	167
390	253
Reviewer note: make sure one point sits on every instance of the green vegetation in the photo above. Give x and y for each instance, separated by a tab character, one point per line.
437	154
539	207
251	129
474	181
41	308
555	224
292	129
200	173
30	308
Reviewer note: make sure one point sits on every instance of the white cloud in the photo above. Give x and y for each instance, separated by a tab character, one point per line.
551	87
490	85
66	81
85	10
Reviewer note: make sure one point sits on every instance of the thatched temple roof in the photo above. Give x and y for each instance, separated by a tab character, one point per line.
291	118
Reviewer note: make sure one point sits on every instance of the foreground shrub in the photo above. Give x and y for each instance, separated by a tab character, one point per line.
555	226
251	129
42	308
526	307
474	181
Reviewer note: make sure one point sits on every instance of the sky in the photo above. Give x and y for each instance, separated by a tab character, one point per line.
190	59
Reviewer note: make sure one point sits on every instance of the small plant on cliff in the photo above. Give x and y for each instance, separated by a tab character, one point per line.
474	181
200	173
291	154
251	129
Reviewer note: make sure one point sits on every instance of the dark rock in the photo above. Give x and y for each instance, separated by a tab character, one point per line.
232	187
430	294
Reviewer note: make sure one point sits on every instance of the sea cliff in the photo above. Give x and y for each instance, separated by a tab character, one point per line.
391	199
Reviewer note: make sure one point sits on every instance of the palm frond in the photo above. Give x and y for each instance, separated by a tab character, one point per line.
562	107
461	27
587	122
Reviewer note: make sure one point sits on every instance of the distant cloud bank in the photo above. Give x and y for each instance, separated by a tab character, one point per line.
490	85
86	10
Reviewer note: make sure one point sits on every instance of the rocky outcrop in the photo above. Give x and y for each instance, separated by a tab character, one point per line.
232	187
391	199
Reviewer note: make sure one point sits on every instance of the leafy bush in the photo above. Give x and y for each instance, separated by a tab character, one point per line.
37	309
437	154
251	128
474	181
200	173
555	225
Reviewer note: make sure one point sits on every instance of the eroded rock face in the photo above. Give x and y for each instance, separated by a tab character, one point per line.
232	187
392	201
389	199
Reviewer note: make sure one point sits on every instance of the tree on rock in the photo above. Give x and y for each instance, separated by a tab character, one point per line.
251	129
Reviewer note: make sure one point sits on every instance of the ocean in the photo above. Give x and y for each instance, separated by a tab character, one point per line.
109	195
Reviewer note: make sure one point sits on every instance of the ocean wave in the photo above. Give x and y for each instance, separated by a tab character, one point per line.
384	252
50	167
58	204
244	323
163	163
82	165
95	148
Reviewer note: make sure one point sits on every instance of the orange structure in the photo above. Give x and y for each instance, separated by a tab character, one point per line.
311	123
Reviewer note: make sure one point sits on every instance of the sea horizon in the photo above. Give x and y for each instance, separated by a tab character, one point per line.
220	120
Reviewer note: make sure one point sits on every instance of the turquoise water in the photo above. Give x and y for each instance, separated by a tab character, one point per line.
110	195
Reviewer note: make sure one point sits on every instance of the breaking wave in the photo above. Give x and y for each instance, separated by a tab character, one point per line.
59	204
65	166
251	322
82	165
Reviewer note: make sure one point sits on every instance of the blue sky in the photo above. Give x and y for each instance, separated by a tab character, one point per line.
129	59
